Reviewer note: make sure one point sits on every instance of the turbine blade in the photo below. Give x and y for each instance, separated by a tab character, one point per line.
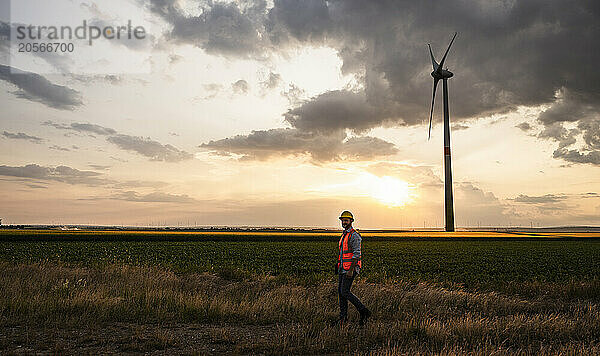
435	81
433	62
445	54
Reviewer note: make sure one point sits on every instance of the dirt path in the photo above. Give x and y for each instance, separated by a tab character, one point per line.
125	338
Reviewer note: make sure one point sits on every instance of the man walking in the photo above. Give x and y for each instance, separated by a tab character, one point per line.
348	266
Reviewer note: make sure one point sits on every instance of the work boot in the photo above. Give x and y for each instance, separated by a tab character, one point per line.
364	315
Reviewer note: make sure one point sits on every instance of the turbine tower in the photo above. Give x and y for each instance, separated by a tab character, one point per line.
444	74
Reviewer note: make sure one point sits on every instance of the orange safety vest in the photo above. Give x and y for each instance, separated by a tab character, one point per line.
345	252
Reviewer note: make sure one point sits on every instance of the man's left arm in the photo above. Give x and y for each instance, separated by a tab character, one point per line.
355	241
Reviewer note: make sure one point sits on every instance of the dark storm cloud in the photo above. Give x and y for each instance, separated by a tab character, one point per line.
144	146
336	110
570	106
387	39
303	21
22	136
36	88
507	54
264	144
149	148
63	174
221	28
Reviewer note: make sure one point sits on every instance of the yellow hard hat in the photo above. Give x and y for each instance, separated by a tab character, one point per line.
346	214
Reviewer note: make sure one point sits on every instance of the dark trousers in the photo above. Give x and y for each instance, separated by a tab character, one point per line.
345	295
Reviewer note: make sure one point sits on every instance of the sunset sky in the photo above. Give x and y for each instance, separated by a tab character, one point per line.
285	113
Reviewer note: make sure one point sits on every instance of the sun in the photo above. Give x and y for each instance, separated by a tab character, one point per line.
387	190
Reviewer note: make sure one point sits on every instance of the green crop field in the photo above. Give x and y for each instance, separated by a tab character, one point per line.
464	261
275	293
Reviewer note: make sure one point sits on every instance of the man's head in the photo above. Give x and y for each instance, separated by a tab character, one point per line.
346	219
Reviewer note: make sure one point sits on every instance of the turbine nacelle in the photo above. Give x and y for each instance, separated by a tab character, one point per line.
441	74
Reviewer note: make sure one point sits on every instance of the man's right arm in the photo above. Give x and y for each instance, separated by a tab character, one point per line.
354	245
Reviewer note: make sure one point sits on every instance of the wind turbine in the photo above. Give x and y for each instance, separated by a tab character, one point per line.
444	74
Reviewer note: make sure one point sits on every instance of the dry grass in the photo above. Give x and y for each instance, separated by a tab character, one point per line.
159	310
